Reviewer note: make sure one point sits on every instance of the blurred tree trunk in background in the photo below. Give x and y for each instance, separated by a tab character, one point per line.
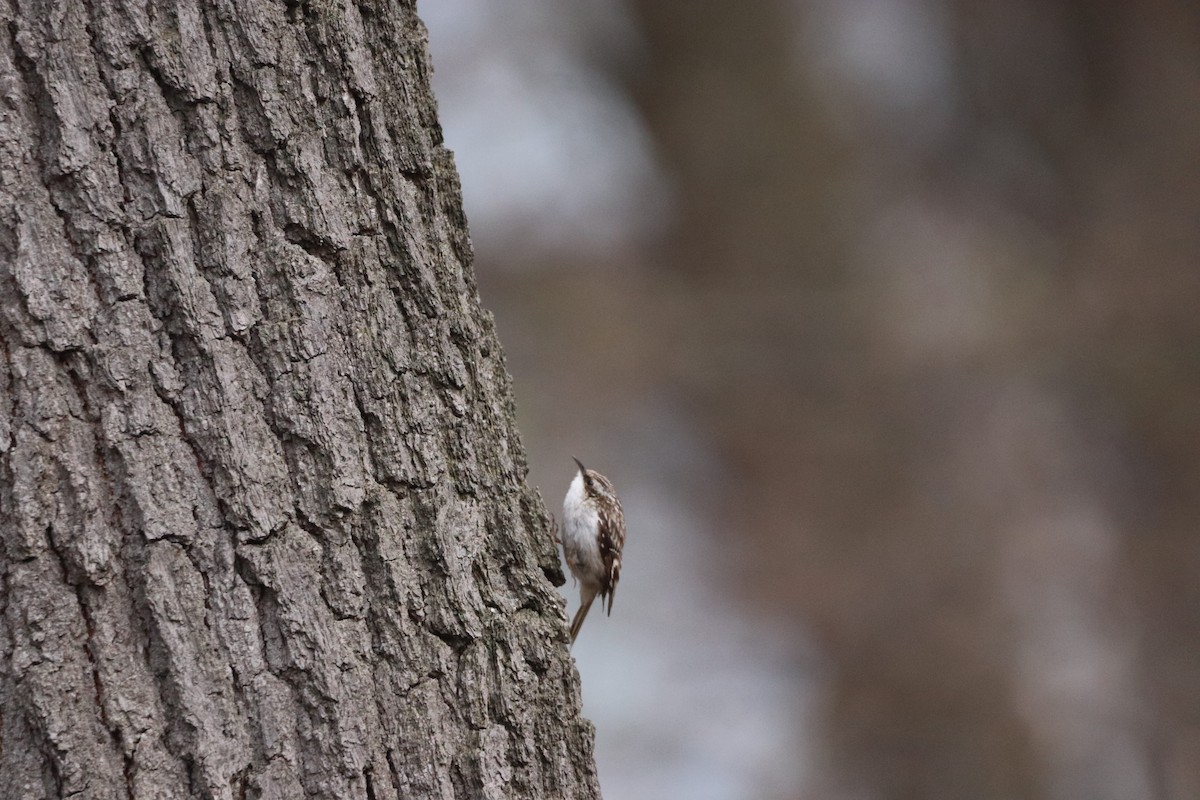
265	531
981	494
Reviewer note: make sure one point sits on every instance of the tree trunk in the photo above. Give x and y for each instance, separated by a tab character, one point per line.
264	523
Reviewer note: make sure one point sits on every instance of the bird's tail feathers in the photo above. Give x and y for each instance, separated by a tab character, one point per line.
577	622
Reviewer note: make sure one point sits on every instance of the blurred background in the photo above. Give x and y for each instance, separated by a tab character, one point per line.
884	318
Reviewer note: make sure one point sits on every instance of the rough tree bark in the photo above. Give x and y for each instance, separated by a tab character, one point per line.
263	518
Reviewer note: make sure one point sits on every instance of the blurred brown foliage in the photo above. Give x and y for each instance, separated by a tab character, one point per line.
952	375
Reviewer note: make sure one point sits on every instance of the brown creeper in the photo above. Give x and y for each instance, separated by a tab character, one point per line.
593	535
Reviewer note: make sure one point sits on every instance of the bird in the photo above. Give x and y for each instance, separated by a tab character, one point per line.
593	536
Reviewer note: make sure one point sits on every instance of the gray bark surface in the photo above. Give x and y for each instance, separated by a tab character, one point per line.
263	519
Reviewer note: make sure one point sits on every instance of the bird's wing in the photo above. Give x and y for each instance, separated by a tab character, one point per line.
612	542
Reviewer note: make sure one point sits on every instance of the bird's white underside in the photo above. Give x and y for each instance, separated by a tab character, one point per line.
580	535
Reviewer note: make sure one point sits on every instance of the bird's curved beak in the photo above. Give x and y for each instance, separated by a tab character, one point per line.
582	468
